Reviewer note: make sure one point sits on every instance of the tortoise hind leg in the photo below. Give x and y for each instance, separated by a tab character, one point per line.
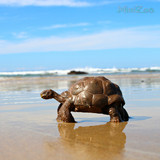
124	114
64	112
114	115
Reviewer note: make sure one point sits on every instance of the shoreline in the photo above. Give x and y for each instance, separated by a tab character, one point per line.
69	77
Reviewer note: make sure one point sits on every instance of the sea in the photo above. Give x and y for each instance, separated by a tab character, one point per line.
93	71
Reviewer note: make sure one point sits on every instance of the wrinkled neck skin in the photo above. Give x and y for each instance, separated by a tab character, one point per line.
58	97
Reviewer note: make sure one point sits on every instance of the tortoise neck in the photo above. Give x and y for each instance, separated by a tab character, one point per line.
58	97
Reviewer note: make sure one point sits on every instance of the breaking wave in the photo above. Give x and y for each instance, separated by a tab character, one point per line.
93	71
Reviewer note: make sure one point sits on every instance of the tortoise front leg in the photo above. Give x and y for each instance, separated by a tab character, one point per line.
59	107
114	115
64	112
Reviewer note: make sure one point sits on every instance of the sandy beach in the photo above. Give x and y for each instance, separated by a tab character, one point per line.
29	129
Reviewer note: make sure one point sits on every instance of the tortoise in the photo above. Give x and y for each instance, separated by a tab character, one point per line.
90	94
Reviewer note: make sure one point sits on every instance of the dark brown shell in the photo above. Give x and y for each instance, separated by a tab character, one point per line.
96	91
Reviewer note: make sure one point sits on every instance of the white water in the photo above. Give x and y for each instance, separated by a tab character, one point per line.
87	69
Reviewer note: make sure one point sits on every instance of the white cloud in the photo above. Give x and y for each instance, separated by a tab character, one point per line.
71	3
20	35
138	37
65	26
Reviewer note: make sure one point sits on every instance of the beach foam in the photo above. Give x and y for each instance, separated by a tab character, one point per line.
86	69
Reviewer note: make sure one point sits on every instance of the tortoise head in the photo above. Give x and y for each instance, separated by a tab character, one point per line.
47	94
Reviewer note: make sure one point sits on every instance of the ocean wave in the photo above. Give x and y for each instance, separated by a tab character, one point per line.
87	69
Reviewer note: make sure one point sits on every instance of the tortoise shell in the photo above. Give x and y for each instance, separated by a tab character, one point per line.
95	92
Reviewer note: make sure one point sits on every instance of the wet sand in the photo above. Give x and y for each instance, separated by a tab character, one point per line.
30	131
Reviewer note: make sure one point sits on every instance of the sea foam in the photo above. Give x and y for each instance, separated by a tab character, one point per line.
87	69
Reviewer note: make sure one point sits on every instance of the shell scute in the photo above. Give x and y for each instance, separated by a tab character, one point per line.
84	98
109	88
77	88
118	90
102	78
99	100
93	86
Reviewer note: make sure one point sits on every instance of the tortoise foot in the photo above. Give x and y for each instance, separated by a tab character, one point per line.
67	120
115	119
114	115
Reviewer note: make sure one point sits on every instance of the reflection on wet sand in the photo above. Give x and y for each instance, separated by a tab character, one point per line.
89	142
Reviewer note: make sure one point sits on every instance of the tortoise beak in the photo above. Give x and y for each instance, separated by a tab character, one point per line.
42	95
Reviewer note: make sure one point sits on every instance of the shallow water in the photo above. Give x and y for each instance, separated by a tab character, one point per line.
29	129
26	90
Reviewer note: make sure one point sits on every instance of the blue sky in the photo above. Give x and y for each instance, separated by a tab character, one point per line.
66	34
